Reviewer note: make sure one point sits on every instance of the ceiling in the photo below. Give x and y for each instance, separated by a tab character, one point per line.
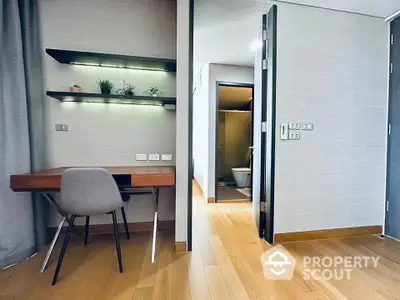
234	97
378	8
223	33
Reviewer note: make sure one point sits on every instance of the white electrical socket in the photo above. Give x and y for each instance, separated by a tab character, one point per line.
294	126
166	157
294	135
141	157
154	156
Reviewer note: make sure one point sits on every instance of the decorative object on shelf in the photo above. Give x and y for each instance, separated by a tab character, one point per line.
153	91
105	86
126	90
75	88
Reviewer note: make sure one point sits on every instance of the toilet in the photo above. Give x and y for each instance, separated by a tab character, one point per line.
241	176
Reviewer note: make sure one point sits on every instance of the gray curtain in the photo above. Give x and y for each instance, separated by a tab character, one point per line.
23	217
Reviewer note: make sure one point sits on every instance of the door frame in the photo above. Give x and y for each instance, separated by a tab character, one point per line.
231	84
190	170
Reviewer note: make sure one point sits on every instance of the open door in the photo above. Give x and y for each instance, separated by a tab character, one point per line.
263	199
392	222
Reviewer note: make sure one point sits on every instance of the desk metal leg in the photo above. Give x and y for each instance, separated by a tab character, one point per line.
55	238
155	193
52	201
53	243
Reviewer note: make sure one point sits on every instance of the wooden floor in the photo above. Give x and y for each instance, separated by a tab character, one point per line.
225	264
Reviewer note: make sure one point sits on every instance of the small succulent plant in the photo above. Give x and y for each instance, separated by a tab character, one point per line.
106	86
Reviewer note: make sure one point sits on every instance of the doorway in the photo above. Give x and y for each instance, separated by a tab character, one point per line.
234	141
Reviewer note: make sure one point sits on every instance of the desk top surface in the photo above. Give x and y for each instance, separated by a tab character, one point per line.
125	170
133	176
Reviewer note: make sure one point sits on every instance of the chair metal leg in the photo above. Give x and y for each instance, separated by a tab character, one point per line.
64	249
53	243
153	248
87	229
125	223
118	246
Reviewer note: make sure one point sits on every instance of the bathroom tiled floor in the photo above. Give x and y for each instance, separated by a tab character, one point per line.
229	192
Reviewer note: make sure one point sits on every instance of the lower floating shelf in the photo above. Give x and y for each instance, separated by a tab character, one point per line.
111	98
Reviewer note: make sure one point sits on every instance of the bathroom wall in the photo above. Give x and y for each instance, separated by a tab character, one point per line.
234	130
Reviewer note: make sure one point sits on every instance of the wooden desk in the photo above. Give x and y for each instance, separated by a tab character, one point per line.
47	181
50	180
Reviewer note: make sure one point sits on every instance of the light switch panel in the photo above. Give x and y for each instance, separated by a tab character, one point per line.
154	156
284	131
166	157
141	157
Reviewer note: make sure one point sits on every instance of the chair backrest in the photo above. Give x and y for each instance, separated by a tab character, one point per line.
89	191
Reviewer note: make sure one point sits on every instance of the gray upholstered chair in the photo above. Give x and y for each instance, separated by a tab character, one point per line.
86	192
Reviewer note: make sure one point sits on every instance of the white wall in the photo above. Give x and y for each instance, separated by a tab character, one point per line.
226	73
182	121
332	71
101	134
200	127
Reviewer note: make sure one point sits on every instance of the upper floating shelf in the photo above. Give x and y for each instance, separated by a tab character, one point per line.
112	60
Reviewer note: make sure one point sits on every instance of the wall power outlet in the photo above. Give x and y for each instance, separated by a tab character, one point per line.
141	157
167	157
294	135
154	156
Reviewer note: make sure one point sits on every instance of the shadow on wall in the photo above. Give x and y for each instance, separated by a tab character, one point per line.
234	130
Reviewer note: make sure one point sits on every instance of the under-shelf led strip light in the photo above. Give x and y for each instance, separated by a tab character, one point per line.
116	66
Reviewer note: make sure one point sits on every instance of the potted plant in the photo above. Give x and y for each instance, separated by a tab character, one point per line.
153	91
75	88
126	90
105	86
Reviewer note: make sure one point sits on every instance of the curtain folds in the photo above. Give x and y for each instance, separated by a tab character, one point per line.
23	222
32	51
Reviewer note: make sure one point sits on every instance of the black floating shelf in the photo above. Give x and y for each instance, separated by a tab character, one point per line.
112	98
112	60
